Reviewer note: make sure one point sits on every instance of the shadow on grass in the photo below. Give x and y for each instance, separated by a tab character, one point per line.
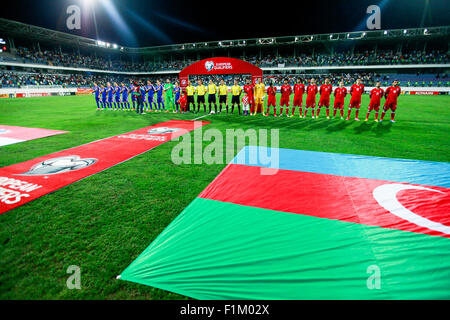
338	126
363	127
382	128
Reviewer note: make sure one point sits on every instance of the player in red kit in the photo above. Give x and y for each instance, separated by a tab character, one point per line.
299	90
271	100
391	100
183	101
311	91
286	91
356	91
248	88
339	96
375	100
325	92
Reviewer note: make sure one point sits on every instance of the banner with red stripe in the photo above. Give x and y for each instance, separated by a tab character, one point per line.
13	134
26	181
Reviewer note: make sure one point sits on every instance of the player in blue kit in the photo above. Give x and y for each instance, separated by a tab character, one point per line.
144	97
150	89
109	90
116	96
124	90
133	97
177	91
96	91
104	93
159	95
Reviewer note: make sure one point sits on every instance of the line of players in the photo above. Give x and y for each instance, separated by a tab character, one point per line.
339	93
116	97
149	97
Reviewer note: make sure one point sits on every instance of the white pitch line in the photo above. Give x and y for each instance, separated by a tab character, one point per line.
200	117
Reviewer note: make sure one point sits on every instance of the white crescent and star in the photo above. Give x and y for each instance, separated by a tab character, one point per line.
386	196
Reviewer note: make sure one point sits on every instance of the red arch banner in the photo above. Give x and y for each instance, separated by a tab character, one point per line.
219	65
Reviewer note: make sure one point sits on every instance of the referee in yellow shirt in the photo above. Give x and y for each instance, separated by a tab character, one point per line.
223	93
236	97
259	93
201	90
212	91
190	90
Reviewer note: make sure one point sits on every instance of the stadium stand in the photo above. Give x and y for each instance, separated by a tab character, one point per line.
10	79
387	57
42	57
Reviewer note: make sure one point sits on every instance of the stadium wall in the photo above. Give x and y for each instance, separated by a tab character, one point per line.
41	92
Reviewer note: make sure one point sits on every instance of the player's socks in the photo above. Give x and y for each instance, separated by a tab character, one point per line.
376	115
281	111
318	111
274	111
356	113
313	113
382	115
348	113
287	111
293	110
392	116
334	112
328	113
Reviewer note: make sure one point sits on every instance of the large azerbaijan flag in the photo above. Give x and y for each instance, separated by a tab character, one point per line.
318	226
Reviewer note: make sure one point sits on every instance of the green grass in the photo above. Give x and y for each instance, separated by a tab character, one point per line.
104	222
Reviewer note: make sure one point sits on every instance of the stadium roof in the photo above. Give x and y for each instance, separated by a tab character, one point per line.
18	29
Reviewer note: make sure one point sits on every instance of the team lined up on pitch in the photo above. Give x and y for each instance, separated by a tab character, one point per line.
160	98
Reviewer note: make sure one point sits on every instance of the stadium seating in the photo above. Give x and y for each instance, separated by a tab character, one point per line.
380	57
18	79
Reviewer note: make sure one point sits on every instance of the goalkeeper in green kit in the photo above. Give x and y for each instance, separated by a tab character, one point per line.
168	93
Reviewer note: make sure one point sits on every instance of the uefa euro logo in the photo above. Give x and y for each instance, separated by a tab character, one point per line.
209	65
162	130
59	165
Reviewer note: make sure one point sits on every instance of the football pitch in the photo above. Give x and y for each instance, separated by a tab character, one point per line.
102	223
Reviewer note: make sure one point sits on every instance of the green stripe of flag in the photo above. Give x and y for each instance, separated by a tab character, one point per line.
217	250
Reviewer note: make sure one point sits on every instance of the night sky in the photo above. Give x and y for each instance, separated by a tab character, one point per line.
158	22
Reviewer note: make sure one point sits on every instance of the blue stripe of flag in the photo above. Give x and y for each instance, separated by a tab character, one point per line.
399	170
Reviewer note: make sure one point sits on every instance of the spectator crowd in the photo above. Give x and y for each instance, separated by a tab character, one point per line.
10	79
380	57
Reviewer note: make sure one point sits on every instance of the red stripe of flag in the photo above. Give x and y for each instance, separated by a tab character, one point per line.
334	197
